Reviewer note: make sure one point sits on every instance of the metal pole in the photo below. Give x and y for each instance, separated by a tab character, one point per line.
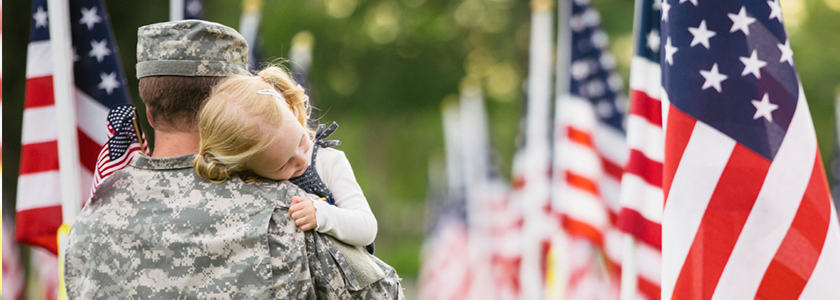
536	194
64	89
559	239
176	10
65	109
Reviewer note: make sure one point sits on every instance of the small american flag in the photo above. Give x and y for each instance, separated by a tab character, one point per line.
100	85
590	153
125	138
641	186
747	211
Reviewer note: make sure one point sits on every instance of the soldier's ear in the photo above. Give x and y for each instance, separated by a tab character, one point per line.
149	117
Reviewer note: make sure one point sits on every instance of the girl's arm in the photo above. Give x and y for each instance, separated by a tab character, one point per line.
351	219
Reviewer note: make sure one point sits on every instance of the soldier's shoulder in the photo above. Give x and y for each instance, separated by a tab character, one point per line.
115	182
279	190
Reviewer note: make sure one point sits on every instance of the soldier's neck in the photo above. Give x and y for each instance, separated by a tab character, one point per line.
175	143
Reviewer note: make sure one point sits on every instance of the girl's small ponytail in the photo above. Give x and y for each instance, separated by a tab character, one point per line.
208	167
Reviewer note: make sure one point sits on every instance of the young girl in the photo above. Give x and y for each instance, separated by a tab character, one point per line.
255	126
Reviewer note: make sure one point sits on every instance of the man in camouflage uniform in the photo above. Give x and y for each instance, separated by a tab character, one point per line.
155	230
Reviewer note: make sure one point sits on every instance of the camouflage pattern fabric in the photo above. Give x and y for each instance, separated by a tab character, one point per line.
190	48
155	230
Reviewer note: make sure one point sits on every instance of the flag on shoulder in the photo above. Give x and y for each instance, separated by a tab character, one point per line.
747	210
100	85
125	138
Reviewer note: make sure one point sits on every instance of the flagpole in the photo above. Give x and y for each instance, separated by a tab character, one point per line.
536	194
250	20
559	240
452	136
475	154
68	144
176	10
249	27
833	171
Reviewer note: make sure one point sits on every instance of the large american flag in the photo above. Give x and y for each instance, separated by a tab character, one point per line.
100	85
641	187
747	210
590	153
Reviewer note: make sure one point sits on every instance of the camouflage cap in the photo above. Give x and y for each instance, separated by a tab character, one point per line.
190	48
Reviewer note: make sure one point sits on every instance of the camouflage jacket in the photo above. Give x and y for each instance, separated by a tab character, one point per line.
157	230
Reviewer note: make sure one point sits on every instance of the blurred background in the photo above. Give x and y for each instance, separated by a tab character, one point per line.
382	68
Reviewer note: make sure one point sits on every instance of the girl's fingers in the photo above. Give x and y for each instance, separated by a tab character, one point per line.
304	224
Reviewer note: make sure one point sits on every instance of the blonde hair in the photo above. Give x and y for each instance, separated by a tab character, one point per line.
236	122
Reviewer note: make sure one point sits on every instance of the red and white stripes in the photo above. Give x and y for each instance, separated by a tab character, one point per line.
39	200
587	181
105	166
641	188
737	226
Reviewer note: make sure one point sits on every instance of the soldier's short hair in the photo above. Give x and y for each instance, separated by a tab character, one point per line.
179	62
174	101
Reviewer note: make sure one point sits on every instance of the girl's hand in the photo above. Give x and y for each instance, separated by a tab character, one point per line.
303	212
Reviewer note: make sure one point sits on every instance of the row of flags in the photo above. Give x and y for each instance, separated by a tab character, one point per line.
707	185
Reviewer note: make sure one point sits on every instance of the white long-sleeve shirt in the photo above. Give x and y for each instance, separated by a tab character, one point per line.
350	220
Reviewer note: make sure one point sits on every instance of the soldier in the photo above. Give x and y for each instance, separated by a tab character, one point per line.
156	230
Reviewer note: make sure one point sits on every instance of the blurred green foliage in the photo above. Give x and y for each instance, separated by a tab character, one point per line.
382	67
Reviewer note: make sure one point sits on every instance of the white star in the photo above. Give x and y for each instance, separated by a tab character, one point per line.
194	7
775	10
752	65
787	53
99	49
109	82
580	69
600	39
701	35
669	51
89	17
653	40
40	17
665	8
607	61
741	21
713	78
591	17
692	2
604	109
657	4
596	88
764	108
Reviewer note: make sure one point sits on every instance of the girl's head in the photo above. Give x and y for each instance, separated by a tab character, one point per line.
254	126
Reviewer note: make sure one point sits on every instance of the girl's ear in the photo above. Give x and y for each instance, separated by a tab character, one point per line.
149	117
